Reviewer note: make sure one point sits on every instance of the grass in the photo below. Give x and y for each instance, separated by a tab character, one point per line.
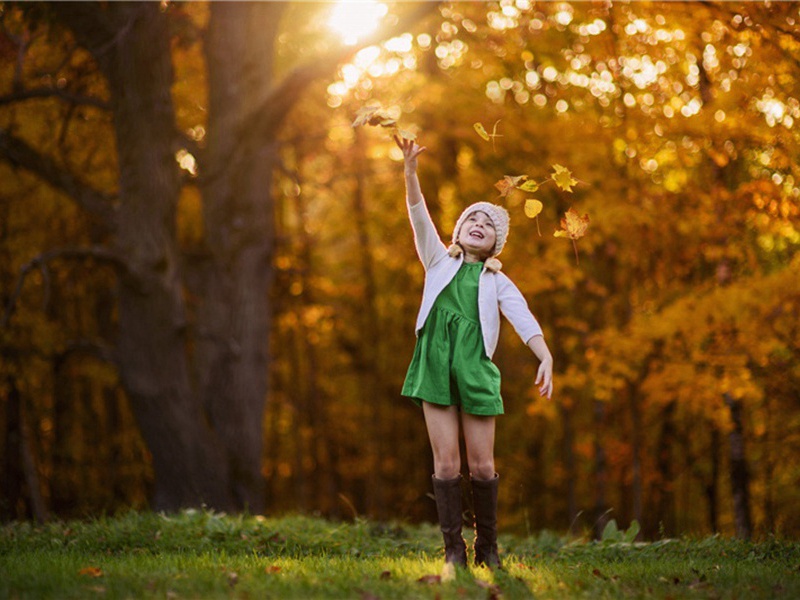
200	554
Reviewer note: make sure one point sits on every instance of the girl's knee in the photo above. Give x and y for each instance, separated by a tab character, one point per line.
482	469
448	468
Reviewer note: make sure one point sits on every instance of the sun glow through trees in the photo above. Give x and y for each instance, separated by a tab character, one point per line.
354	19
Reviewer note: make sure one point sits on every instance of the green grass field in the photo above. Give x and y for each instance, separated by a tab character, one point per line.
198	554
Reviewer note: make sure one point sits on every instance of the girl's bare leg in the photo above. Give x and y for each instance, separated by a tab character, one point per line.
479	438
442	424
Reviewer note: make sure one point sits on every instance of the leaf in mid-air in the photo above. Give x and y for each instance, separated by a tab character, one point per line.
563	178
481	131
508	183
406	134
573	226
365	114
532	208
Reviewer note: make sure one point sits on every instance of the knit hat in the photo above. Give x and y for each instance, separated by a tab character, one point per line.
496	213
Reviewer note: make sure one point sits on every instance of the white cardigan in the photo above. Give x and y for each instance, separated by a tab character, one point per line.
496	292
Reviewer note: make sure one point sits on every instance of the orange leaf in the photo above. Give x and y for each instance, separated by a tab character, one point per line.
573	226
508	183
91	572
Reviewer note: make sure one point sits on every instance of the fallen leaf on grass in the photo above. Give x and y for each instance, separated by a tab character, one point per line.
272	569
494	590
386	575
91	572
430	579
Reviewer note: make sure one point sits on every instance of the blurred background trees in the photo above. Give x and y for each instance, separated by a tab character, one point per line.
675	339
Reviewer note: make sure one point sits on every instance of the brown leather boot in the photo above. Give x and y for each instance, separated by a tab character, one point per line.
484	498
448	506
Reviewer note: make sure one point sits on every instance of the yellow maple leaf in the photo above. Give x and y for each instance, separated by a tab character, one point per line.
563	178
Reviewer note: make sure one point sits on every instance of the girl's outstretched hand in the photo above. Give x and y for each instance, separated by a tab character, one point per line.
411	150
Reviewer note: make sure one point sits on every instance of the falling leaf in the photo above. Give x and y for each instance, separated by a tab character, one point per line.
529	186
532	208
573	226
563	178
365	113
91	572
406	134
481	131
488	136
508	183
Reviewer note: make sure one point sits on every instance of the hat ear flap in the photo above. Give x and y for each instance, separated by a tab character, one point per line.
493	265
455	251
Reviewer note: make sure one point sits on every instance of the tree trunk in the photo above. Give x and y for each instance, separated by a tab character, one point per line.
568	456
636	450
740	478
664	492
189	467
601	471
711	486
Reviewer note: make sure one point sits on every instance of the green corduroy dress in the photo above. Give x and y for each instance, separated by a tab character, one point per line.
450	366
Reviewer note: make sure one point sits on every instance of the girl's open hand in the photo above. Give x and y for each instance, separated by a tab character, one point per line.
411	150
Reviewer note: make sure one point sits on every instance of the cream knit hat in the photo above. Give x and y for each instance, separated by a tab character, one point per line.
496	213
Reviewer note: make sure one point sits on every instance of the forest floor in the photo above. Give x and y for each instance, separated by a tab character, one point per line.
200	554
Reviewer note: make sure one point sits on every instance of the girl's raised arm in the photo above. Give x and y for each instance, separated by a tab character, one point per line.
411	150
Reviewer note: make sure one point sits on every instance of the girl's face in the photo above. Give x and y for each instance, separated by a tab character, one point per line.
477	235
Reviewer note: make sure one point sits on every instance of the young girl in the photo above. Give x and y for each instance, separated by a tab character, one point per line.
451	374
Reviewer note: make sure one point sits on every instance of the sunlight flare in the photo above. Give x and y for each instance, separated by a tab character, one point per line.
354	19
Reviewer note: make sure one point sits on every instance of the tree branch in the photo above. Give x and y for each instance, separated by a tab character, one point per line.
46	92
42	261
272	109
97	204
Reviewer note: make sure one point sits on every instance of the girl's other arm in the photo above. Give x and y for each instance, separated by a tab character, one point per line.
544	378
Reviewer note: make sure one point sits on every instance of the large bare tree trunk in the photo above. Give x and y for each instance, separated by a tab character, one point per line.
198	389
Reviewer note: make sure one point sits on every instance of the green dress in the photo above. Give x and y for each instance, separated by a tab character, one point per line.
450	366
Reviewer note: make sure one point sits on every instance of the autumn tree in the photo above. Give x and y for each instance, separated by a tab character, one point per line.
192	329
